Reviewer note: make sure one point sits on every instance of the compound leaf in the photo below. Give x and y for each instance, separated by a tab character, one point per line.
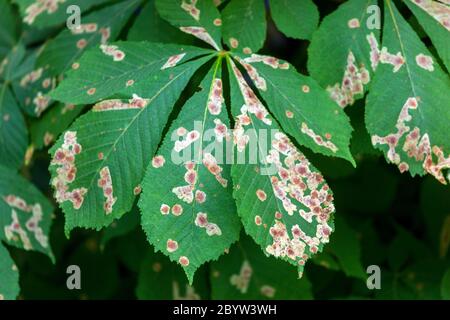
408	119
99	162
187	207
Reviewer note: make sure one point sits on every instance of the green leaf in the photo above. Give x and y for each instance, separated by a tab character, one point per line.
345	246
149	26
433	17
9	277
246	273
244	25
157	271
408	119
46	129
283	201
8	27
197	17
25	214
97	76
187	207
123	226
339	54
13	131
445	286
44	13
32	87
295	18
99	27
99	163
301	106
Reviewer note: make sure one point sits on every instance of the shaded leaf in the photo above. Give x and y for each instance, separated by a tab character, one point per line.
246	273
13	131
9	276
46	129
25	214
157	271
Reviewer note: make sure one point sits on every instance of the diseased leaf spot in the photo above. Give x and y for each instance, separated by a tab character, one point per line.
353	23
210	162
352	83
38	7
32	224
158	161
191	137
129	83
242	280
305	88
48	138
171	245
165	209
258	220
105	182
215	99
289	114
184	261
268	291
113	51
234	43
6	117
173	61
414	146
191	9
217	22
261	195
440	12
374	50
115	104
200	196
64	157
201	220
202	34
177	210
91	91
137	190
247	50
270	61
318	139
425	62
81	44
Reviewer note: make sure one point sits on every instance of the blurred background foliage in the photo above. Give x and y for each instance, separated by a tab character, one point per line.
383	218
